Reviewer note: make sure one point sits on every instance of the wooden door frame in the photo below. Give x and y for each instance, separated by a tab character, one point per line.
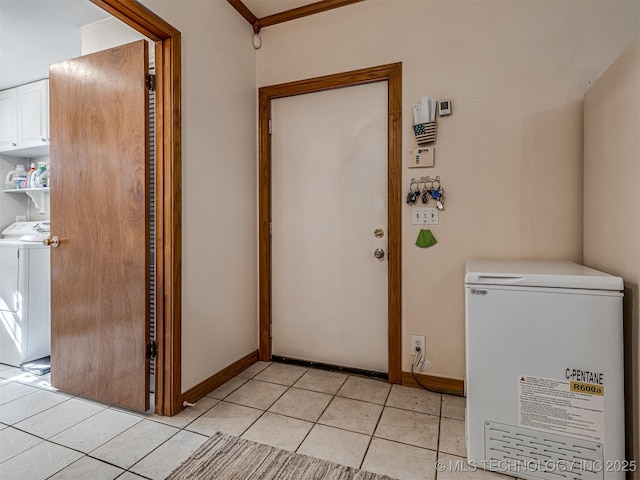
168	195
392	73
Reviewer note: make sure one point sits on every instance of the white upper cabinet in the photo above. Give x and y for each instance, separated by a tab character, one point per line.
24	119
9	119
33	114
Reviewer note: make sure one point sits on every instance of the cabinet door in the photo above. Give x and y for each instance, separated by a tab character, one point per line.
33	114
8	119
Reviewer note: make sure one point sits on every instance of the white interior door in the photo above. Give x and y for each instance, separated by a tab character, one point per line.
329	195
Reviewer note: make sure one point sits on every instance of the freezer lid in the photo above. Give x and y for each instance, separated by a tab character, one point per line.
538	273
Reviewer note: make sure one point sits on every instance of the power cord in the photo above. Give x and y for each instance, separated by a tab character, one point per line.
418	361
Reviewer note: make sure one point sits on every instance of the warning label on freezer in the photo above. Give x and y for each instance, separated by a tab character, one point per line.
575	409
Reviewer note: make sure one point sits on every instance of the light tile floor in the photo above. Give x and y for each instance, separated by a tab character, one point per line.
361	422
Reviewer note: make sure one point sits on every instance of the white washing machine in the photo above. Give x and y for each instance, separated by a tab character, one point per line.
544	370
25	294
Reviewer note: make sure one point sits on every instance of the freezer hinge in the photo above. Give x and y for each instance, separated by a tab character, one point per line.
150	81
152	349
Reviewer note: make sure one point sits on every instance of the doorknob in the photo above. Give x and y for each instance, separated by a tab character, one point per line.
378	253
55	241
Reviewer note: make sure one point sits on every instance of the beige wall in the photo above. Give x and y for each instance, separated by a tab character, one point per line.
510	156
109	33
219	263
612	204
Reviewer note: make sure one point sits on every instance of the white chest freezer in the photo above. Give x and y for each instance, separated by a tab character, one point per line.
544	370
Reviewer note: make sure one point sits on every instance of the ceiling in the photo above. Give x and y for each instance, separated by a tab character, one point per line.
37	33
265	13
264	8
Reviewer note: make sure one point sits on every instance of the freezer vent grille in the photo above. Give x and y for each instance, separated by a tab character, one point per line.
532	454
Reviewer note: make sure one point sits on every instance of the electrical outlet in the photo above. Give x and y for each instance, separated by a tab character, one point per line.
417	341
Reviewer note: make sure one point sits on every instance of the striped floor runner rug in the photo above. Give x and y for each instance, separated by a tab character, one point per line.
224	457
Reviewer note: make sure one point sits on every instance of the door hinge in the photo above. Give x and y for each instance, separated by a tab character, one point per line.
270	229
271	330
152	349
150	81
270	127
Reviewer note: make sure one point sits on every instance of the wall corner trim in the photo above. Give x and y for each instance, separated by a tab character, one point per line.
200	390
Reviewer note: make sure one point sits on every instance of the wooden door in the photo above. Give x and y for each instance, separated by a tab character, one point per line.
329	197
99	211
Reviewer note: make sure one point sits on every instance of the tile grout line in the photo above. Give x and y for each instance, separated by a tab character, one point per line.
439	429
155	419
333	396
33	415
107	441
61	431
149	453
83	454
220	399
75	461
267	409
223	399
289	387
21	396
217	402
48	440
86	454
26	450
384	405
